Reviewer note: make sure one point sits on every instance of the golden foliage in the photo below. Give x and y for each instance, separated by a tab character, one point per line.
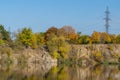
98	56
27	38
118	39
96	37
40	37
58	47
105	38
113	38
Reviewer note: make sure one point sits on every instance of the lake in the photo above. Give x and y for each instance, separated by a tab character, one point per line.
61	72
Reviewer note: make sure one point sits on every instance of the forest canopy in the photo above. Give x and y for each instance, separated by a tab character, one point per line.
56	40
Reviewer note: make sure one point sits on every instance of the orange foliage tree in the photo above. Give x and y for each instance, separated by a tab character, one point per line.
50	32
69	33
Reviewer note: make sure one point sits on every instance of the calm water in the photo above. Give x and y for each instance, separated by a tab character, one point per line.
46	72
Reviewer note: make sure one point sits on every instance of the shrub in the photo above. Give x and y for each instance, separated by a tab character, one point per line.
98	56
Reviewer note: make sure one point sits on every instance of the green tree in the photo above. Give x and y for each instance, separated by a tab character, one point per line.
27	38
5	35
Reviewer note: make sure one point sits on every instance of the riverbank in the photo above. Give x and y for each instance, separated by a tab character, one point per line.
25	56
79	54
96	53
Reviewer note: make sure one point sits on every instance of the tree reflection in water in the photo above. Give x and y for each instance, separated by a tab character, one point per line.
62	72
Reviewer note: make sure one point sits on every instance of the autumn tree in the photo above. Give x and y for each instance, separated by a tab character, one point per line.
61	32
34	42
58	47
96	37
113	38
1	41
118	39
105	38
50	32
84	39
27	38
40	37
69	33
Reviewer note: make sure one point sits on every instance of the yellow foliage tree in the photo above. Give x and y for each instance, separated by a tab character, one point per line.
40	37
84	39
113	38
96	37
27	38
34	42
1	41
58	47
105	38
118	39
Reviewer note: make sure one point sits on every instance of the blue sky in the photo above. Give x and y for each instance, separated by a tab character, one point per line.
85	16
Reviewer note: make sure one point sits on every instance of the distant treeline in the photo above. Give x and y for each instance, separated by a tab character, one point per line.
56	40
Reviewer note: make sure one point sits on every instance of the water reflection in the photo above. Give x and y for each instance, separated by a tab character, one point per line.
47	72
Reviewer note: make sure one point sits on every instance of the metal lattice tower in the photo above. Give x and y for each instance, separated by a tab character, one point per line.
107	19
